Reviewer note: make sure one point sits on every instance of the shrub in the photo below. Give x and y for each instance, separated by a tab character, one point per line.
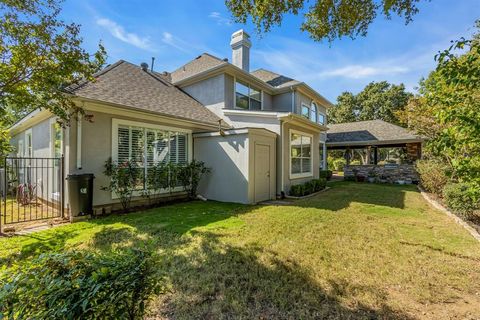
124	178
309	187
339	164
433	175
327	174
462	198
80	285
297	190
190	176
330	161
355	162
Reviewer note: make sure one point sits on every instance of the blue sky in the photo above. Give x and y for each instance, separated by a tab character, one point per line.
175	32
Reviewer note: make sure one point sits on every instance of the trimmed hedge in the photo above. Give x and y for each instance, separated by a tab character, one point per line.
304	189
326	174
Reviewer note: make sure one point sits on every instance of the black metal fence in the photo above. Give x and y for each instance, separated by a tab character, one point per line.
31	189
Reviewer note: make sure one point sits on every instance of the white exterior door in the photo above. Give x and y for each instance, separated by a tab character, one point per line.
262	172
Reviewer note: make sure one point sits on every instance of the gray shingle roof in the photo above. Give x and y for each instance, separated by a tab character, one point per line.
367	131
201	63
127	84
274	79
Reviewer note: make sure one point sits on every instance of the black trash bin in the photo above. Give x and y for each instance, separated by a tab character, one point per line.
80	194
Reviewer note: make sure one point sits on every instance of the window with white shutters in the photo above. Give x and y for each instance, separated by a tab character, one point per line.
147	147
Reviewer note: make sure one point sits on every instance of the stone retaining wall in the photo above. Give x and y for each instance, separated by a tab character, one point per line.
390	173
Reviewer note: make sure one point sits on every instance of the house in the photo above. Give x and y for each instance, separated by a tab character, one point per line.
260	132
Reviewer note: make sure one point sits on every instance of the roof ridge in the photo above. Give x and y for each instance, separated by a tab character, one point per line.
84	82
211	55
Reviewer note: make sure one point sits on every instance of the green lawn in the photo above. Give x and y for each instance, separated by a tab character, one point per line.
354	251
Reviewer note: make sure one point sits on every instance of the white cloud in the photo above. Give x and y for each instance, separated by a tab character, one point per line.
119	32
221	20
361	71
176	42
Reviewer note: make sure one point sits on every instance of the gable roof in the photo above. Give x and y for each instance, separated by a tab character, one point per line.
124	83
201	63
274	79
369	132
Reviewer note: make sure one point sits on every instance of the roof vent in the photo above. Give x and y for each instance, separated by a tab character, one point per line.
225	59
144	66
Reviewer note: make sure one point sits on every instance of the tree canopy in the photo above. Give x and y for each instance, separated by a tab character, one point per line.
378	100
447	109
324	19
39	55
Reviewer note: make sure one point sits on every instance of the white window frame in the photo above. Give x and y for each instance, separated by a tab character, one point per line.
28	148
312	112
20	148
235	80
305	174
53	122
304	105
324	118
145	125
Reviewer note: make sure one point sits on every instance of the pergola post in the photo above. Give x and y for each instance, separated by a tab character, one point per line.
375	155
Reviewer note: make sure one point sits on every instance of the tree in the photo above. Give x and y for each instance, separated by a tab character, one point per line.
378	100
40	55
449	104
324	19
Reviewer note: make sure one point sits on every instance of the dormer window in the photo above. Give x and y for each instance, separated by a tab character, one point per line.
247	97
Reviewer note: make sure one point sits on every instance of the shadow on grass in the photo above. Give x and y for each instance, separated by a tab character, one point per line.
342	194
432	248
208	278
178	219
217	280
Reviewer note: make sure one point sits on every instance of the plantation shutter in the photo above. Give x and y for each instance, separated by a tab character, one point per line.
182	148
146	147
150	148
123	144
173	147
161	154
137	150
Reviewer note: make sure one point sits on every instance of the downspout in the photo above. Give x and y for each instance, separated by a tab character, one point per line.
293	99
282	157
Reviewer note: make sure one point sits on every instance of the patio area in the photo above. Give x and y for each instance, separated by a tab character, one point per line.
387	152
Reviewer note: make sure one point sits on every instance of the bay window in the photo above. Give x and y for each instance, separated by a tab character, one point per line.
300	154
148	145
247	97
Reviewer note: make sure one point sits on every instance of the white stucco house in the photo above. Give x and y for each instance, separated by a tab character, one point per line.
260	132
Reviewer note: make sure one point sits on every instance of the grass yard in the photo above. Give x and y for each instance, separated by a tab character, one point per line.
354	251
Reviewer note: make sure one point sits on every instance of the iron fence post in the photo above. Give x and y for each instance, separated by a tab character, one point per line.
62	185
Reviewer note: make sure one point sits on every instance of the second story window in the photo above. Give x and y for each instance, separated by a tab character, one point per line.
305	111
321	118
313	112
247	97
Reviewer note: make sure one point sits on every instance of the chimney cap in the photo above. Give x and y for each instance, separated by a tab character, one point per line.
240	37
